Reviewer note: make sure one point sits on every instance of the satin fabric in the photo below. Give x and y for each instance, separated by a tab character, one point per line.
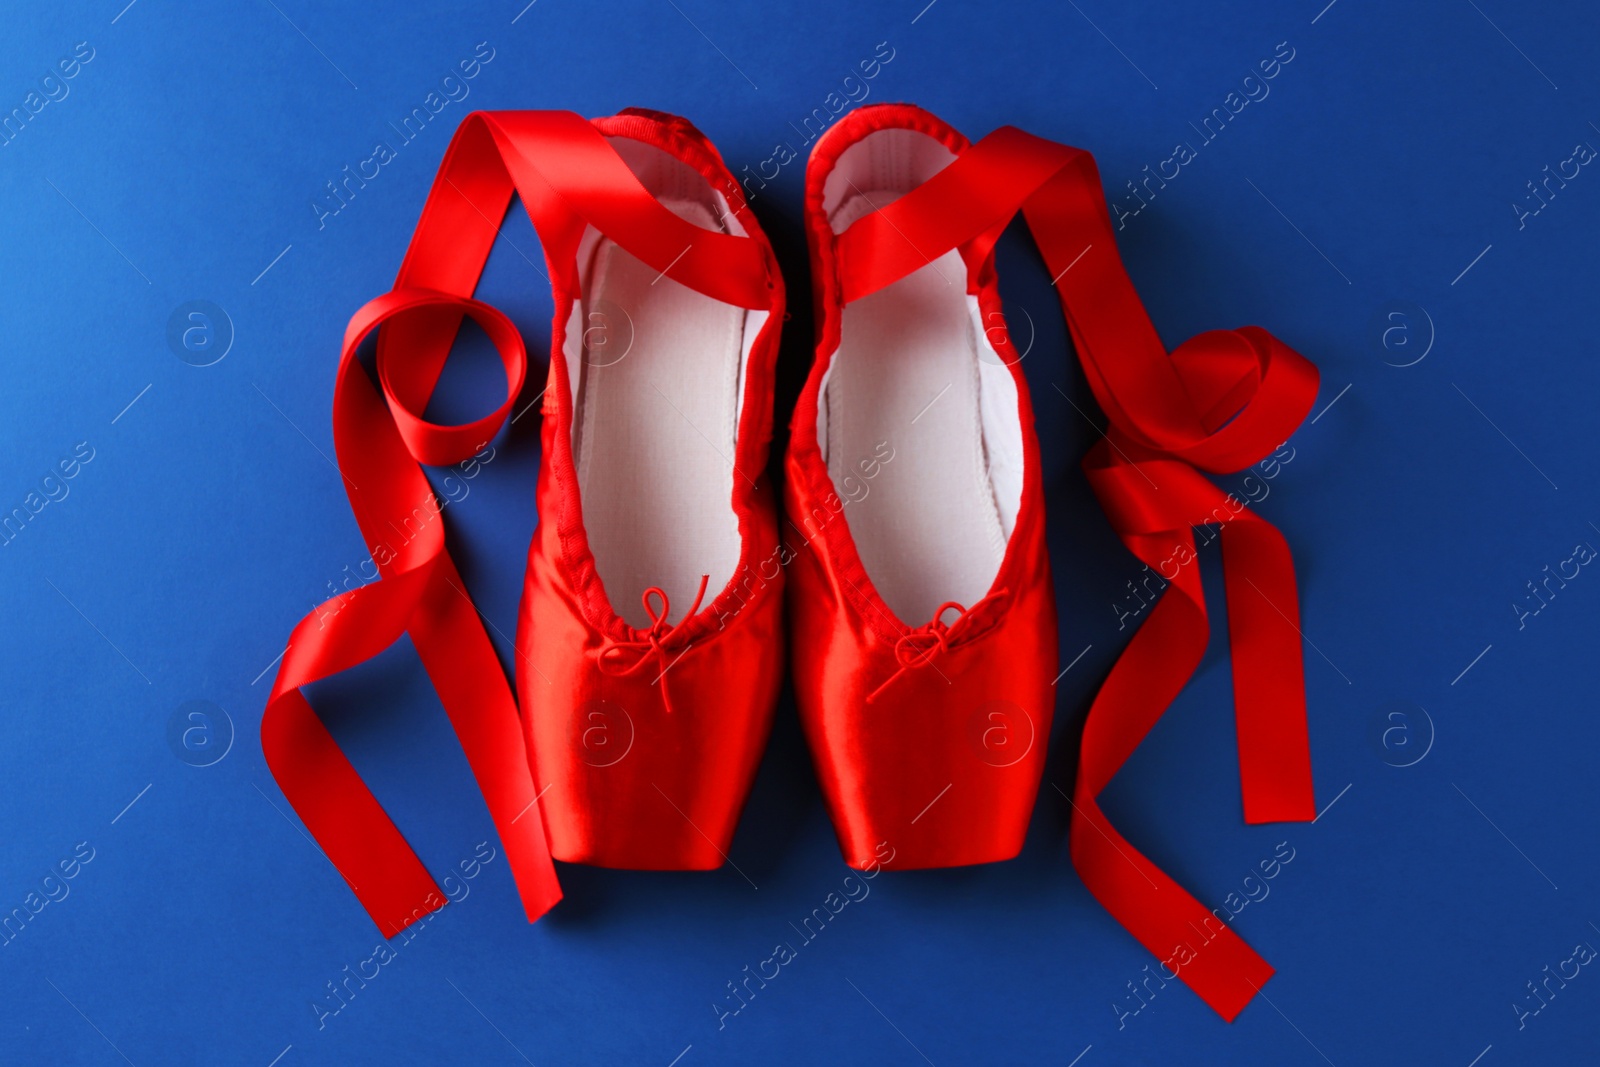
1221	402
927	734
647	740
569	178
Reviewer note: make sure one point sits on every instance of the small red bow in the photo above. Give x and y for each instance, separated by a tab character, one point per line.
653	641
920	647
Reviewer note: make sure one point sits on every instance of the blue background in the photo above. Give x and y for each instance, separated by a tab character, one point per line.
182	165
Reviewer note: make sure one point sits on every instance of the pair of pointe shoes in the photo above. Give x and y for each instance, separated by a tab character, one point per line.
904	583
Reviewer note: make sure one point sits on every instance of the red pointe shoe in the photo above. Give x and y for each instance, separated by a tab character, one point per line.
650	645
922	612
893	193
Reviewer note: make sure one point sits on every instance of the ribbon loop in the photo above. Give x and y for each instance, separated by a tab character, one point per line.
1250	391
408	387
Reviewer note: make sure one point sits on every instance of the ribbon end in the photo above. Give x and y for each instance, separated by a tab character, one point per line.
1229	1005
391	928
1259	810
537	908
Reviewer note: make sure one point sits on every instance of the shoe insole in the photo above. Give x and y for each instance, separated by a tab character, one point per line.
906	375
657	414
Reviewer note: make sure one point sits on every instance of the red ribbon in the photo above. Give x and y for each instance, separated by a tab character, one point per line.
420	591
568	177
1221	402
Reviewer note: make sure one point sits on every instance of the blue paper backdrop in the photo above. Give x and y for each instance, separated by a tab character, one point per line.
1370	204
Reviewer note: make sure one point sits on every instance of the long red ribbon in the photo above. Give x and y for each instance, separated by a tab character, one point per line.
569	178
1220	402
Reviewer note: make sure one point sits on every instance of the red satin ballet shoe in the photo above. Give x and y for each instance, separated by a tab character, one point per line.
921	607
903	214
650	645
645	705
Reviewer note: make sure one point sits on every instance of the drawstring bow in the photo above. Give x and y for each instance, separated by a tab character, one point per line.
621	658
920	647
